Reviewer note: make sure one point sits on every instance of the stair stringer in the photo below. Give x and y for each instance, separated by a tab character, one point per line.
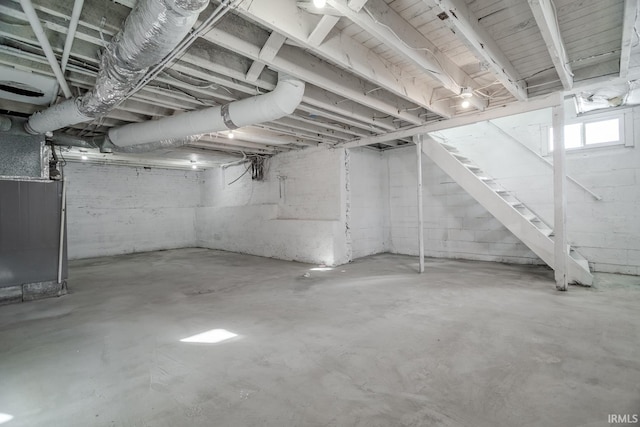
478	187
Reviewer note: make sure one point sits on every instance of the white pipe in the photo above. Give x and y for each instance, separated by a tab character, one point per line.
418	141
32	16
236	162
151	31
203	28
71	32
265	138
280	102
63	214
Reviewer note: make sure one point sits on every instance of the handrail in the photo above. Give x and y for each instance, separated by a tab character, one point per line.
499	129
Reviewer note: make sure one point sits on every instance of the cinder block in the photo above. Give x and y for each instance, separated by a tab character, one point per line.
10	295
39	290
461	235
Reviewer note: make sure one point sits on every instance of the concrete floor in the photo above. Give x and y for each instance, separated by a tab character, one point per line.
366	344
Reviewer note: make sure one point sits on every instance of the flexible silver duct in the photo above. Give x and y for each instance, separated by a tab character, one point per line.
157	145
282	101
152	30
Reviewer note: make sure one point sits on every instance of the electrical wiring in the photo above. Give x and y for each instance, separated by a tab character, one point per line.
543	84
191	81
495	82
611	52
442	68
258	164
182	47
536	73
243	174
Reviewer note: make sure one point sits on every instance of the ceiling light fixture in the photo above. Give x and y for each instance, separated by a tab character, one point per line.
466	93
230	135
319	3
83	157
193	164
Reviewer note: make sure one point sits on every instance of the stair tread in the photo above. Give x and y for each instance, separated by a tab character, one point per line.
448	147
577	255
578	267
545	231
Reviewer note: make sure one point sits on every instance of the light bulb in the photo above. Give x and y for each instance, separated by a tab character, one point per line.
230	135
83	157
194	167
319	3
465	104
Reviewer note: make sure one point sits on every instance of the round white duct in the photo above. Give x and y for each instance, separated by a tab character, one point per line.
278	103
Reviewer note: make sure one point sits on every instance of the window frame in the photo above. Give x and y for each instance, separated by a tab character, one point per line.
625	131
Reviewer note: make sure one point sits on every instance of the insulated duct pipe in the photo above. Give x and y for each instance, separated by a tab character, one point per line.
152	30
280	102
156	145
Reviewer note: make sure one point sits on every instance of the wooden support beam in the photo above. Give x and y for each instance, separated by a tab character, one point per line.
494	113
546	17
385	24
321	31
628	24
296	63
356	5
267	53
418	141
288	19
466	26
561	252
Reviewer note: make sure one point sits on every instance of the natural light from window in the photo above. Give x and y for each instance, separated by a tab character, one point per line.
210	337
579	135
602	132
5	418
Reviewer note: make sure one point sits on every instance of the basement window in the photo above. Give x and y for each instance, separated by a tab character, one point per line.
591	132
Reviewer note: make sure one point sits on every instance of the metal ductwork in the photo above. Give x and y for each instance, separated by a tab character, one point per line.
152	30
611	96
280	102
152	146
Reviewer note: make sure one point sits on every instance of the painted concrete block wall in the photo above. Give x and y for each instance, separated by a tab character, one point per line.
296	213
606	232
455	225
368	202
115	210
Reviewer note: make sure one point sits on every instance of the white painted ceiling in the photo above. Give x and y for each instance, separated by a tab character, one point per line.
371	67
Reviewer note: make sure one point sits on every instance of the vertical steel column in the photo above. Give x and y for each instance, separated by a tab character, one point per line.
63	215
559	199
418	141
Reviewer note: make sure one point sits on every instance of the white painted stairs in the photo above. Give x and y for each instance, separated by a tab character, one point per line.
512	213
